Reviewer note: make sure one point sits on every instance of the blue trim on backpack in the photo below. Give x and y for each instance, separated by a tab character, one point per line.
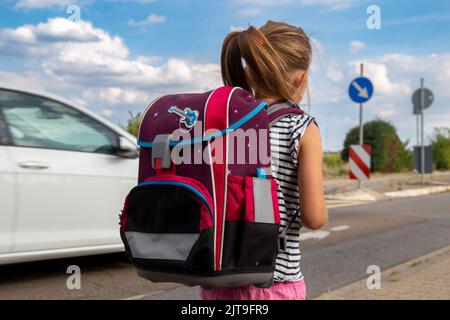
234	126
261	173
182	184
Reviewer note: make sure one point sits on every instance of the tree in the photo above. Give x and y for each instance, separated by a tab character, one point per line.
389	153
441	148
133	124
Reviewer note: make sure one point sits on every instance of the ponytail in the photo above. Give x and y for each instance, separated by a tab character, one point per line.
233	73
268	62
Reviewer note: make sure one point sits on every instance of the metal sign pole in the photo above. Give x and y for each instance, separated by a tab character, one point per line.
422	150
422	99
361	132
360	91
308	96
417	130
361	128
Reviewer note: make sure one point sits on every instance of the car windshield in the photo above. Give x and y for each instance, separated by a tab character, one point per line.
36	122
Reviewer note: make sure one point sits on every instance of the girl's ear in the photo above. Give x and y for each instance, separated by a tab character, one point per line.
299	82
299	79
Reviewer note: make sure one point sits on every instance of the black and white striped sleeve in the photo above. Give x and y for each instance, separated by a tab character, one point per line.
298	129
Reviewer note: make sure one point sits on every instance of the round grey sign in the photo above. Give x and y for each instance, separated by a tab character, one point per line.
428	98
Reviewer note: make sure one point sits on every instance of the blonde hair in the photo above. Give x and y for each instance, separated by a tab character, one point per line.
271	53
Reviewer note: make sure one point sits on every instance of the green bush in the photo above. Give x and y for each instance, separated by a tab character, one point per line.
441	148
389	153
133	124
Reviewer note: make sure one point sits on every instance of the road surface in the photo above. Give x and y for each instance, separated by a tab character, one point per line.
383	234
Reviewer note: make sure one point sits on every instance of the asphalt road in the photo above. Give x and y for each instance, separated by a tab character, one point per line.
383	234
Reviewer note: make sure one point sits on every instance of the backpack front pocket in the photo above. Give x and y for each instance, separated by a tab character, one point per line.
252	222
167	222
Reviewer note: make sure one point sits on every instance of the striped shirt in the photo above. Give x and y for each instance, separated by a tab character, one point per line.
284	143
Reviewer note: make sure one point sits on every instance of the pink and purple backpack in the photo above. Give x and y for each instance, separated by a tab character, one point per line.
205	211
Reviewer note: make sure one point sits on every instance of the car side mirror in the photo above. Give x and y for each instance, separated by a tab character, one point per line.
127	149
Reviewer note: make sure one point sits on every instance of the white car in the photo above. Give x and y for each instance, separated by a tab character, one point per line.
64	175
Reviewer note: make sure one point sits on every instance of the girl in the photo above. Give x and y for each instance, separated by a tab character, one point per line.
273	63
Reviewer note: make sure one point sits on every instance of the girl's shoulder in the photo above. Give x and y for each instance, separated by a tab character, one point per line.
289	130
296	123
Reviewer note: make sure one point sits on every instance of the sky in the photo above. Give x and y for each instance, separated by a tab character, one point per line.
115	56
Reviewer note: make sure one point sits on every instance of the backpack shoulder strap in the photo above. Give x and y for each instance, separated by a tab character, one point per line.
280	109
276	111
282	238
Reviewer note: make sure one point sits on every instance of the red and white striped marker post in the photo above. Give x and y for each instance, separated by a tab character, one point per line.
359	162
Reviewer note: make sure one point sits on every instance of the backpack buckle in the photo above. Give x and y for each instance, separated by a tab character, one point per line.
161	157
282	244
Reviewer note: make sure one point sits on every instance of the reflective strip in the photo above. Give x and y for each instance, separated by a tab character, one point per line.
363	154
359	162
262	195
160	246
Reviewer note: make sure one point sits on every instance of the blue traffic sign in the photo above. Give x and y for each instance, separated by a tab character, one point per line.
360	90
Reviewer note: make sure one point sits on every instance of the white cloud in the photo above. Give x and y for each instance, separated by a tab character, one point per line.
356	46
82	61
106	112
334	72
27	79
386	112
152	19
115	95
395	77
235	28
149	59
55	30
58	35
378	72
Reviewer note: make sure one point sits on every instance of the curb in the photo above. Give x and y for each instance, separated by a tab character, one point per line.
362	195
368	195
417	192
398	270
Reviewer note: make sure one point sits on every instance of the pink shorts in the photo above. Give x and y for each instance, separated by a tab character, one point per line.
279	291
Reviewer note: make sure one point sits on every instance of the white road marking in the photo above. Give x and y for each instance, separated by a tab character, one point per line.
142	296
321	234
338	203
314	235
339	228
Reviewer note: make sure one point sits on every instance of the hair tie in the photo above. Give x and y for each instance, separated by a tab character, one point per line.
244	63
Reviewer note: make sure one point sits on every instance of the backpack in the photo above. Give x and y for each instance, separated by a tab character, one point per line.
200	216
